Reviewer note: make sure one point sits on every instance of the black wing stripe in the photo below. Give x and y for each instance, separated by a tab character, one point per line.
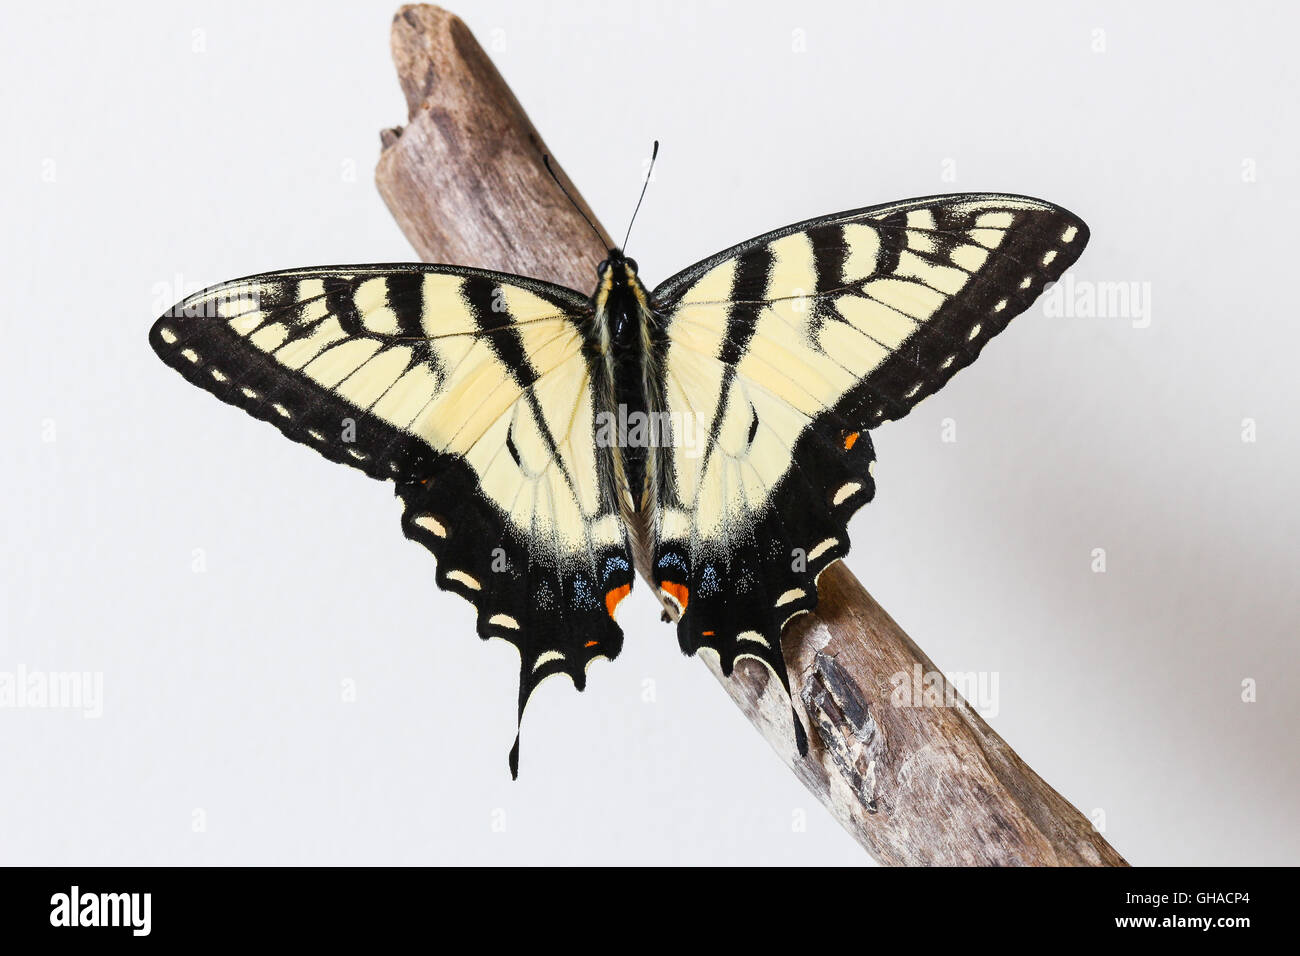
830	253
406	299
752	270
892	243
506	342
341	300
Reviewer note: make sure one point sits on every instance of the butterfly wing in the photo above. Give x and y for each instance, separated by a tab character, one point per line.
780	353
472	391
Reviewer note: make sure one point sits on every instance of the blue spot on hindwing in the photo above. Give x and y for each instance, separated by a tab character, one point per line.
671	559
708	581
584	597
614	564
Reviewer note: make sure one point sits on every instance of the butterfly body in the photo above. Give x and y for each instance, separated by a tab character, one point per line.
622	330
713	432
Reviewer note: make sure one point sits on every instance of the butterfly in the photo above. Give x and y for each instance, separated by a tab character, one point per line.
713	432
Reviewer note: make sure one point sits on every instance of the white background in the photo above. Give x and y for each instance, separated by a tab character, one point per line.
137	167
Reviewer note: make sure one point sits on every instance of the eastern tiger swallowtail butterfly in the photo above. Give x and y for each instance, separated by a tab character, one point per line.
717	427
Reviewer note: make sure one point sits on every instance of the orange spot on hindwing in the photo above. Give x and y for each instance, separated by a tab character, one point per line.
678	592
850	440
591	644
613	597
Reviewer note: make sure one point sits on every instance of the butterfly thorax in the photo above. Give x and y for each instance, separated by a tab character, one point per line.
622	307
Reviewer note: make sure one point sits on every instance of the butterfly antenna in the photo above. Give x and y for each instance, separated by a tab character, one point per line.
654	154
546	161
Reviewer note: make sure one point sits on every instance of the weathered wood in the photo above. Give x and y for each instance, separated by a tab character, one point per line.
914	785
464	179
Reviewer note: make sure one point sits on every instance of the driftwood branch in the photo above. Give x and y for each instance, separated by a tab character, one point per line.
914	785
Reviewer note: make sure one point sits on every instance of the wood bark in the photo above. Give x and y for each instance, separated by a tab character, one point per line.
913	784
